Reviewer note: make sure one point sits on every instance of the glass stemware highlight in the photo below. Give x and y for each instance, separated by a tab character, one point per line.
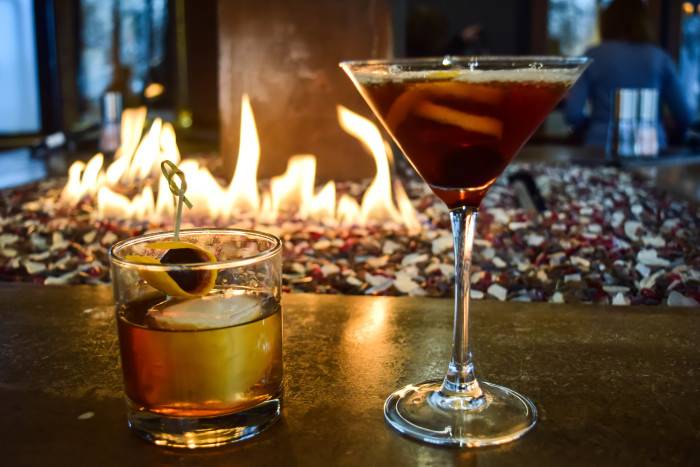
460	121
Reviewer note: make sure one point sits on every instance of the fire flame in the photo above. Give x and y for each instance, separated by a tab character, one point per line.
292	194
242	192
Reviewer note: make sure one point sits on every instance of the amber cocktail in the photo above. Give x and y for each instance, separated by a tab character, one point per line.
460	131
169	366
200	334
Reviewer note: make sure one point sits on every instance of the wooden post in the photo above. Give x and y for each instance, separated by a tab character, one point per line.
285	56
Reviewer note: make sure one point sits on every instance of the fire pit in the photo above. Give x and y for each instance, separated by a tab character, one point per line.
607	236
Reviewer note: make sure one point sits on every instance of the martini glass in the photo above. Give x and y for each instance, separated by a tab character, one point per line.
460	121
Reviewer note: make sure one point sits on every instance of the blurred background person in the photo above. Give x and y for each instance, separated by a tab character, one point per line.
626	58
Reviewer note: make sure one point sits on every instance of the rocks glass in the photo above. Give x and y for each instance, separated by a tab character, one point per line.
200	334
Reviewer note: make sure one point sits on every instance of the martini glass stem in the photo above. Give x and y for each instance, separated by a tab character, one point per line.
460	388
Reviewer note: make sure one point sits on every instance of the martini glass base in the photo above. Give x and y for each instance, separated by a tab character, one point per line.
501	416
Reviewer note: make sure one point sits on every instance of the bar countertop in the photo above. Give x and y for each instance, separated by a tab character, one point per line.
613	386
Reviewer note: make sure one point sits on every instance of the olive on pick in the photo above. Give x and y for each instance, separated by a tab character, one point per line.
179	283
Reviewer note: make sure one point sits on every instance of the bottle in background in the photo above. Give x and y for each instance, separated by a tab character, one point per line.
647	138
111	110
624	123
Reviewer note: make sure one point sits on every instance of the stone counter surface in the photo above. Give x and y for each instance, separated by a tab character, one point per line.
613	386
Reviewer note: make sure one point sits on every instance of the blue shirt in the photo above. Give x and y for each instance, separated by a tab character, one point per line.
624	65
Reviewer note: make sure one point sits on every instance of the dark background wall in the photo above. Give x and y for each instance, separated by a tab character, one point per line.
506	23
285	56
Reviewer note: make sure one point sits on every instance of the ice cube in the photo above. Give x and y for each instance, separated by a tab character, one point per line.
210	312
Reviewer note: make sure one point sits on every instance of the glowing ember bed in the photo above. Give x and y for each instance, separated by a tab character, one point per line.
606	237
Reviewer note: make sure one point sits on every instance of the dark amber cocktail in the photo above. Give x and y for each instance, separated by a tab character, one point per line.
460	129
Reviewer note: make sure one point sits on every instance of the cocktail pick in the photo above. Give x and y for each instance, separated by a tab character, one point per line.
170	171
185	284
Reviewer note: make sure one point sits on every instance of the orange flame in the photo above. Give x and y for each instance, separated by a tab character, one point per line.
322	205
293	193
377	203
83	179
242	193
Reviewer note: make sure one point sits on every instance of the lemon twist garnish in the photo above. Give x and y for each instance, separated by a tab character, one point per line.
187	283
